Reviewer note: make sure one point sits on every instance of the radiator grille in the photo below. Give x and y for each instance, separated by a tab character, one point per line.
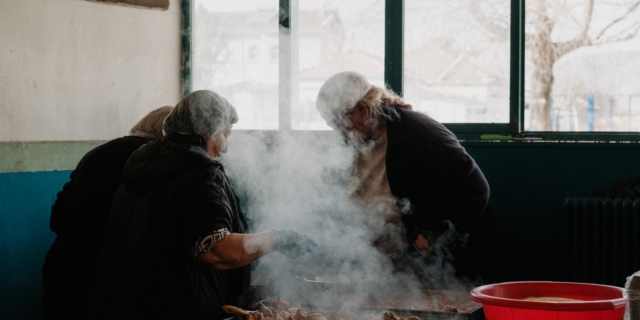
602	239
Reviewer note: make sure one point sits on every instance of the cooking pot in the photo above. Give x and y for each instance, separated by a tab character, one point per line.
340	289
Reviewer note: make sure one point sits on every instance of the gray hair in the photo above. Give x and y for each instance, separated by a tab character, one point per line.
150	126
203	113
383	103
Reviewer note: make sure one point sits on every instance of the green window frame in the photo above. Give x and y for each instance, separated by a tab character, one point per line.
393	76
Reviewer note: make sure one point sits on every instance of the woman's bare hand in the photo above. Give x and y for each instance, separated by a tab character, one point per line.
422	245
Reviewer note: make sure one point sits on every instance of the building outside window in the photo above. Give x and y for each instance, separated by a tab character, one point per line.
581	59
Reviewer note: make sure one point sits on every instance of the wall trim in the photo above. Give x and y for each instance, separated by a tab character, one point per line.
34	156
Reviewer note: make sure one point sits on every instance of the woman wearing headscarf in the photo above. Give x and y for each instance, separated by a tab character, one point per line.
176	243
79	215
411	173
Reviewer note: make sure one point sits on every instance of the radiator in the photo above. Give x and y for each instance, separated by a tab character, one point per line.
602	243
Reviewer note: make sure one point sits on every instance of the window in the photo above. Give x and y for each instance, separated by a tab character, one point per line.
253	54
582	66
525	67
348	36
226	57
456	79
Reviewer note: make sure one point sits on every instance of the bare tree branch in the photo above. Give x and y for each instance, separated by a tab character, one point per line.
556	13
631	9
581	39
497	30
586	21
562	48
537	12
618	37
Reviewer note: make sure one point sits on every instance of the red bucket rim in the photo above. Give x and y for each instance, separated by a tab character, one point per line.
591	305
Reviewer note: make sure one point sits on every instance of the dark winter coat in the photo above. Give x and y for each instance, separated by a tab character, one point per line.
434	180
173	195
78	218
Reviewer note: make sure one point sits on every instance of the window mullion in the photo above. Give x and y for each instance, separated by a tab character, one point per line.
187	9
288	61
516	110
394	45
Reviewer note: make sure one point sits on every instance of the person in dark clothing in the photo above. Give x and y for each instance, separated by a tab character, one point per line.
176	244
79	215
424	179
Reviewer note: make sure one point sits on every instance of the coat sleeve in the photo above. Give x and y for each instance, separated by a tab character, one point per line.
206	217
465	190
458	191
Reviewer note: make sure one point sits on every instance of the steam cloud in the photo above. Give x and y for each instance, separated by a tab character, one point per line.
296	180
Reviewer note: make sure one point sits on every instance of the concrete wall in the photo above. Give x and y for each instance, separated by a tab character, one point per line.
80	70
72	74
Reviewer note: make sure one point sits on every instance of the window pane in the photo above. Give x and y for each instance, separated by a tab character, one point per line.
582	65
336	36
456	59
234	43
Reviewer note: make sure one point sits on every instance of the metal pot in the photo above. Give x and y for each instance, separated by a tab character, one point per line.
343	290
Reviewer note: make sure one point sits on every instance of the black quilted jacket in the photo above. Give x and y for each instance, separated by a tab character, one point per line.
172	195
435	181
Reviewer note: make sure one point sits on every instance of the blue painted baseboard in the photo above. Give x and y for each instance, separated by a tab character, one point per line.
25	205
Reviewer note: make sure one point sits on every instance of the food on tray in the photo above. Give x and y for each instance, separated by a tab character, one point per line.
282	310
390	316
425	300
253	316
449	308
280	304
551	299
421	300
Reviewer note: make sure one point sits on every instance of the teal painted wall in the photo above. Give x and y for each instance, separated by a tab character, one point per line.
25	203
528	184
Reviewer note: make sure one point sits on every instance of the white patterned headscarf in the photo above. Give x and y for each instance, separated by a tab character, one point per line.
150	126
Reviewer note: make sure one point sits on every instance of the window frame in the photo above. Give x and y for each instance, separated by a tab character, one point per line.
393	75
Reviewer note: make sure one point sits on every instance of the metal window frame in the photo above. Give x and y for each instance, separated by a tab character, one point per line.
394	58
185	37
393	74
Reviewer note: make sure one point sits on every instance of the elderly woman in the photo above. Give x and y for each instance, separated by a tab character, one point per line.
412	173
176	243
79	215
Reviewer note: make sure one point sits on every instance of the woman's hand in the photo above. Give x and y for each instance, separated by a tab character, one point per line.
422	245
292	243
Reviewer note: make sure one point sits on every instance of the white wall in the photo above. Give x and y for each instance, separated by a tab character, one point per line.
80	70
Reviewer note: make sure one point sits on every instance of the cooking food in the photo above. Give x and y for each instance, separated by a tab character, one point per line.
551	299
390	316
280	309
283	310
426	300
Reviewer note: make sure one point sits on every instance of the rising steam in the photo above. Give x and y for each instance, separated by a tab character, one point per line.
297	180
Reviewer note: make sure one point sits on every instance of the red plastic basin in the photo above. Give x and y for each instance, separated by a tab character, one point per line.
504	301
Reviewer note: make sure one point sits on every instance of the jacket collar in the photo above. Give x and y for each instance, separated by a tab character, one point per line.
396	131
